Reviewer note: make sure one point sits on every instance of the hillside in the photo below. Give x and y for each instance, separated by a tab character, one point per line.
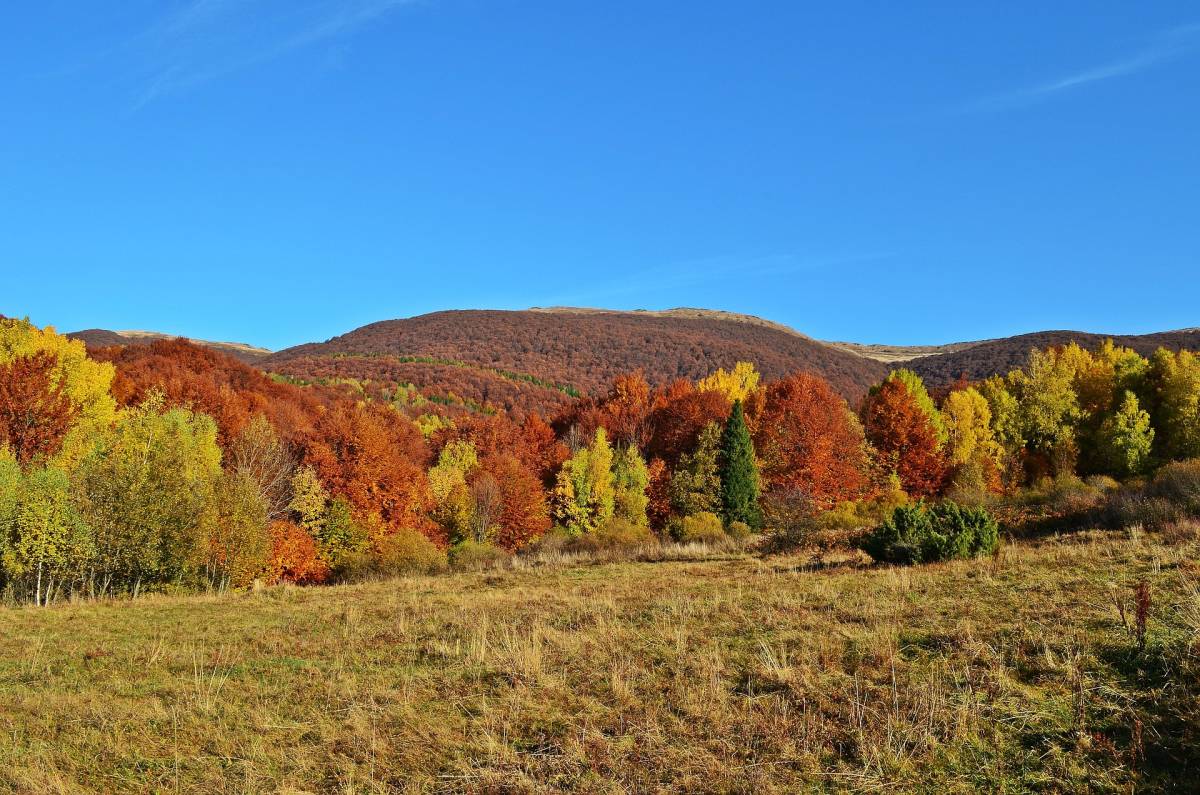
100	338
993	357
582	350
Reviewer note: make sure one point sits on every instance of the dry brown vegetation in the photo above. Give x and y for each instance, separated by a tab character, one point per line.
729	673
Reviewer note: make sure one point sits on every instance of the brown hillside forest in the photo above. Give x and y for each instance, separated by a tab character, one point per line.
168	466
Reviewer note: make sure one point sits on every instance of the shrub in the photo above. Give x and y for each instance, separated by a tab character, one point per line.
615	534
920	534
620	532
703	527
1179	482
1064	495
475	555
971	484
789	515
739	531
409	552
1102	483
396	553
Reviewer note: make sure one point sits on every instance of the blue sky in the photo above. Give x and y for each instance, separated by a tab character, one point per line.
280	171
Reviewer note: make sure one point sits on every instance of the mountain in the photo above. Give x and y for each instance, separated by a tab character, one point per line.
542	358
993	357
101	338
550	354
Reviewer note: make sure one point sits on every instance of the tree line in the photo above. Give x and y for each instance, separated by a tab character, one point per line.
168	467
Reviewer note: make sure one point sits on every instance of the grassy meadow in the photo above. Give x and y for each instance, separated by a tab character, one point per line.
723	673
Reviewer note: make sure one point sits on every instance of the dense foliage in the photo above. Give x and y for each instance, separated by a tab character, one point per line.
169	466
923	534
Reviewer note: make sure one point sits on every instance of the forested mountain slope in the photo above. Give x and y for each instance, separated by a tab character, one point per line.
994	357
100	338
580	350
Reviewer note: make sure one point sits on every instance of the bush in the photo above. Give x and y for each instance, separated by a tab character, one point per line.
1102	483
789	515
615	534
409	552
738	531
920	534
1172	497
795	522
703	527
1179	482
396	553
619	532
476	555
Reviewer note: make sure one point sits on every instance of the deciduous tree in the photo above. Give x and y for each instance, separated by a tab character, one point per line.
1126	438
147	491
35	413
736	386
583	494
810	442
630	481
900	429
83	382
696	483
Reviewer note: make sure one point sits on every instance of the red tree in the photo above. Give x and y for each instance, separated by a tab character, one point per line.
376	459
35	414
625	413
680	412
905	438
658	493
294	556
524	515
809	442
540	450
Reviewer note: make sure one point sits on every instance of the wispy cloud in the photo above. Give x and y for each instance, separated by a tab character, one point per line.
1168	45
203	40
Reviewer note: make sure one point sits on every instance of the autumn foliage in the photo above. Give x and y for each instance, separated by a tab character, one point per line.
35	413
906	440
810	442
168	465
295	556
376	459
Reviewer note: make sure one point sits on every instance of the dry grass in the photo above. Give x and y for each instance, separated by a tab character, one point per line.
727	675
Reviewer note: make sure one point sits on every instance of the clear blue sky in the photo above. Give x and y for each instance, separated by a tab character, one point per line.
279	171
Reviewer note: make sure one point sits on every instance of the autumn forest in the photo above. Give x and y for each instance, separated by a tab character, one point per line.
169	466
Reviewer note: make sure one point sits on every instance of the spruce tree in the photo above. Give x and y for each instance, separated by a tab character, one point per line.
739	472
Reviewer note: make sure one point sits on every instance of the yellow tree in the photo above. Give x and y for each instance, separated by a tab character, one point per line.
971	444
584	494
84	382
448	484
1048	408
1176	378
736	385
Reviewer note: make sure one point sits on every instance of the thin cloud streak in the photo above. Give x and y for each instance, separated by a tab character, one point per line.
209	39
1171	44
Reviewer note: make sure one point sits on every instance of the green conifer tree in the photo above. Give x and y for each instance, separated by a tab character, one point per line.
739	472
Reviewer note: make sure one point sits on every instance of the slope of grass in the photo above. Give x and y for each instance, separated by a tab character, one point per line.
732	674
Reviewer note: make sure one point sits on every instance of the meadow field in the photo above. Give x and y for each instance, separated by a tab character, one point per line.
1032	670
